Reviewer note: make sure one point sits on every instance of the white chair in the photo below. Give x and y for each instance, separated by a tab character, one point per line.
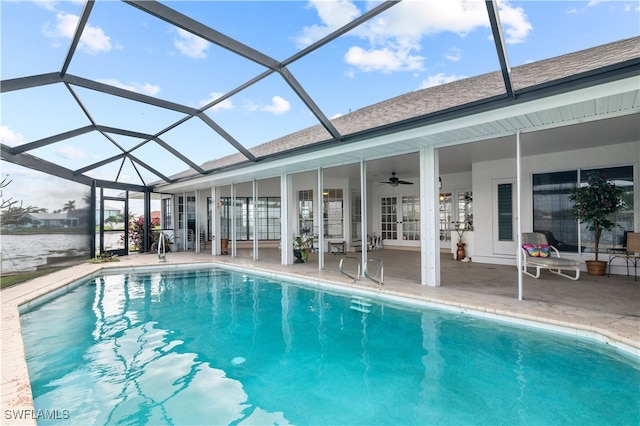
553	263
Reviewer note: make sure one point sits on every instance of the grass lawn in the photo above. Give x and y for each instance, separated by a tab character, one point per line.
13	279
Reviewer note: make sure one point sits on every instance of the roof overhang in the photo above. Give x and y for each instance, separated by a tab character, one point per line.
551	107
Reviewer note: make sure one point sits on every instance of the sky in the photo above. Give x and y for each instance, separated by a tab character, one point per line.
413	45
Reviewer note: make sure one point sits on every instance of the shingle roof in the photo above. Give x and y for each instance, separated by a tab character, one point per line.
422	103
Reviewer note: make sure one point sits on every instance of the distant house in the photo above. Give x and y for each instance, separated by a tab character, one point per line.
54	220
108	212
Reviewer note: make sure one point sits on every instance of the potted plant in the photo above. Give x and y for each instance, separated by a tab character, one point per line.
594	204
155	237
301	247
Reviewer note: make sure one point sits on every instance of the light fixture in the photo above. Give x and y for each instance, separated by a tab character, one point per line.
441	197
440	182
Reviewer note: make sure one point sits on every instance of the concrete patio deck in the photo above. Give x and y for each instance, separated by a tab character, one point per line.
606	308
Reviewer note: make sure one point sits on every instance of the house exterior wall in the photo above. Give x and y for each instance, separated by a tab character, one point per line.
487	174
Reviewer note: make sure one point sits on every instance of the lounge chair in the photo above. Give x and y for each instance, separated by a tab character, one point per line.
538	253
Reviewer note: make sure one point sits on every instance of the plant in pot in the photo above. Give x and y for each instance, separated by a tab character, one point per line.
595	204
155	237
301	247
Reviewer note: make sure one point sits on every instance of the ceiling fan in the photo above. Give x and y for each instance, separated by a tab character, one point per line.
394	181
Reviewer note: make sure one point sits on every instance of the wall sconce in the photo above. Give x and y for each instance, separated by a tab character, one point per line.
441	197
440	182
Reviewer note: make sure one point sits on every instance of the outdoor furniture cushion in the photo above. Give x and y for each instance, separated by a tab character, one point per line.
534	243
542	250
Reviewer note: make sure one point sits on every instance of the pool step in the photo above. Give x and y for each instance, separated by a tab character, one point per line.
360	304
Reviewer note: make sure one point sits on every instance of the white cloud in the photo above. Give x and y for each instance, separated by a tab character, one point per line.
70	152
251	106
514	20
226	104
278	106
454	54
394	38
53	4
93	39
191	45
146	88
439	79
9	137
33	188
333	14
385	59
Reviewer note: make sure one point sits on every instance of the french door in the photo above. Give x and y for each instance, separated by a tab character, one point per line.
400	220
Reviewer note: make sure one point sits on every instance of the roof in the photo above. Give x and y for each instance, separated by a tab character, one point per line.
421	105
53	216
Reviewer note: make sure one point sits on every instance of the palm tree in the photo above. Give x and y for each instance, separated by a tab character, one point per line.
69	206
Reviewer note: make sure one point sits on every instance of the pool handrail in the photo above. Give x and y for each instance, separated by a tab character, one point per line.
380	271
162	248
344	273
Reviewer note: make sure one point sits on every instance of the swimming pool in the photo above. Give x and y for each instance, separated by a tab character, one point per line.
220	347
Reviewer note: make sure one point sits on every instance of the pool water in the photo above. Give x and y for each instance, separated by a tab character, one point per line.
220	347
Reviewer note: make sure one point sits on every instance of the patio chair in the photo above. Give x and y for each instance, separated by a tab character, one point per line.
539	254
630	252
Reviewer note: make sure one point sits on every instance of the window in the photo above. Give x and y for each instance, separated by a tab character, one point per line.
411	217
356	216
332	213
465	210
505	212
552	210
623	178
267	216
305	211
444	216
167	213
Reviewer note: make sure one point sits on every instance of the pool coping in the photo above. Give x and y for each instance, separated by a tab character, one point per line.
17	400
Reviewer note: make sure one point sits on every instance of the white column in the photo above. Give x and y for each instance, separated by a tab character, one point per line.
320	219
363	211
429	244
215	223
185	209
255	220
196	233
233	220
519	214
286	241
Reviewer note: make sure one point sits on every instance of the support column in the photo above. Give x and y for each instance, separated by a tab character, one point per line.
196	232
363	211
215	223
519	214
255	220
185	215
286	239
147	221
429	244
233	220
321	219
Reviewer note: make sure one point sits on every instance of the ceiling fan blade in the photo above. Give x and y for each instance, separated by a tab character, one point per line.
404	182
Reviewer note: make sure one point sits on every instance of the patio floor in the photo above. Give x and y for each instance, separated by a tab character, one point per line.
607	308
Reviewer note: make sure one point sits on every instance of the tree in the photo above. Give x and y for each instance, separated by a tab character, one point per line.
69	206
595	204
16	216
112	219
5	204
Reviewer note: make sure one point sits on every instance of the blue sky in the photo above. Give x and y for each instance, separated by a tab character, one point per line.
414	44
